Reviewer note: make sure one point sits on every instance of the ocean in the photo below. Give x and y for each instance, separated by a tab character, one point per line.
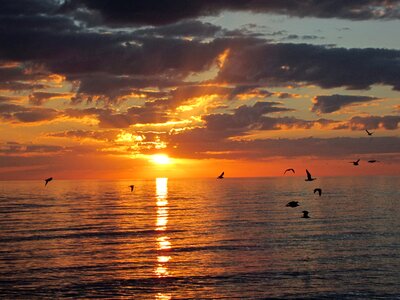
201	239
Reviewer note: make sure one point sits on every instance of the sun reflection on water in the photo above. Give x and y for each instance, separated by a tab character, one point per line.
163	243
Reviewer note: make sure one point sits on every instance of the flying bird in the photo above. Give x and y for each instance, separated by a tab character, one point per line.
305	214
132	187
369	133
355	162
287	170
48	180
309	178
293	204
221	176
318	190
373	161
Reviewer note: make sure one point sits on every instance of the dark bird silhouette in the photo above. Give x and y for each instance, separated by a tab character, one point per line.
318	190
132	187
293	204
309	178
355	162
287	170
221	176
48	180
373	161
305	214
368	132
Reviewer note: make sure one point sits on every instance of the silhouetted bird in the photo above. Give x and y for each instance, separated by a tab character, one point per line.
318	190
305	214
287	170
309	178
221	176
355	162
369	133
132	187
293	204
373	161
48	180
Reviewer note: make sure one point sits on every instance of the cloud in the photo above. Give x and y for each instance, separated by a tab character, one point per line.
258	62
21	114
244	118
151	112
373	122
108	135
156	12
14	148
202	143
38	98
332	103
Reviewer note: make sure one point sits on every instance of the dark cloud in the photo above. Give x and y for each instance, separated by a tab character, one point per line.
108	135
13	148
244	117
21	114
159	12
373	122
27	7
332	103
283	64
151	112
38	98
204	143
187	28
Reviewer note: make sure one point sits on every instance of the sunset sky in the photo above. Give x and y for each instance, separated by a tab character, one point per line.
97	88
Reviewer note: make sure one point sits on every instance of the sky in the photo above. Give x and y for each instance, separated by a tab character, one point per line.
112	89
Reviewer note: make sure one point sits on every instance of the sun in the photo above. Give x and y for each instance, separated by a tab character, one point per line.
160	159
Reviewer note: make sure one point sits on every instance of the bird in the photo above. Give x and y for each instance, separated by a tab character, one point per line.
318	190
355	162
373	161
368	132
309	178
293	204
287	170
221	176
305	214
48	180
132	187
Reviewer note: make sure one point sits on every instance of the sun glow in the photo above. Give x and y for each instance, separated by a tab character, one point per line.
160	159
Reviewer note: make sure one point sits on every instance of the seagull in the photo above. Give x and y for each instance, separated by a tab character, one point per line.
287	170
369	133
309	178
221	176
293	204
373	161
48	180
355	162
132	187
305	214
318	190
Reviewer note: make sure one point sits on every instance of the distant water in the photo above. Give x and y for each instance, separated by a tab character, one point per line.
201	239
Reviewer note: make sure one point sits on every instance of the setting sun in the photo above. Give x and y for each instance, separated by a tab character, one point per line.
160	159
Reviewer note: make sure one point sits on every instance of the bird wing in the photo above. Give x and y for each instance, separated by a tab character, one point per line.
308	174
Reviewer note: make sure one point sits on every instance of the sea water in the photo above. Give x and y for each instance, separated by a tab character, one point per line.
201	239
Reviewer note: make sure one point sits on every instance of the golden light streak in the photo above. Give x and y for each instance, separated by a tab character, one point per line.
162	296
163	243
222	58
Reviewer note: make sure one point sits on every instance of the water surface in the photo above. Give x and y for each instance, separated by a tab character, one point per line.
201	238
